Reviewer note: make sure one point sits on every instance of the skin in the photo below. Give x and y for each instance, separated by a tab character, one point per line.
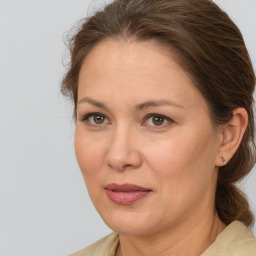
177	158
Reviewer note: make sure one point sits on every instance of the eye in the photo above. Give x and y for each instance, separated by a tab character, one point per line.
98	119
157	120
95	119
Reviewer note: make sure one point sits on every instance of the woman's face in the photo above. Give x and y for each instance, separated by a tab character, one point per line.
144	140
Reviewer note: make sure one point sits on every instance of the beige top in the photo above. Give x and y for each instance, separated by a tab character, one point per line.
235	240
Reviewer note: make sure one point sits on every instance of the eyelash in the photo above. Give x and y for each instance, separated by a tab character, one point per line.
87	116
151	115
165	118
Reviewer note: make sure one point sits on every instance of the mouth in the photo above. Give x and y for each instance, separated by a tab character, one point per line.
126	194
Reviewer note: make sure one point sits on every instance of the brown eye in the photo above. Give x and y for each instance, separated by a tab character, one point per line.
95	119
98	119
158	120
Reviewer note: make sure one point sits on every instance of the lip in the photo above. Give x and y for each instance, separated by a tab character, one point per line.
126	194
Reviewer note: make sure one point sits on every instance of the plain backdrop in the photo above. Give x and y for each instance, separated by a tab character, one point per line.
44	206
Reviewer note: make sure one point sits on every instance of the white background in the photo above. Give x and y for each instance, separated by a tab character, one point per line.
44	206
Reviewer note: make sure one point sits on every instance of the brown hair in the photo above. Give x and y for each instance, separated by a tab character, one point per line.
209	47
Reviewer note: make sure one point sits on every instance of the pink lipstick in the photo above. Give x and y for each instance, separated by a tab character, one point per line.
126	194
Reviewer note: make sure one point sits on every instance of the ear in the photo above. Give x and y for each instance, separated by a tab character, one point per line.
231	135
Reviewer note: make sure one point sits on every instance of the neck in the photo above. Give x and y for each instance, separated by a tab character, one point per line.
189	238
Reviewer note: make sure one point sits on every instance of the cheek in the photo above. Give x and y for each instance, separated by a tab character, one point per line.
183	169
90	156
89	153
184	160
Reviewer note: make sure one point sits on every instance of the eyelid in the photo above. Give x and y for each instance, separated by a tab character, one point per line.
158	115
87	116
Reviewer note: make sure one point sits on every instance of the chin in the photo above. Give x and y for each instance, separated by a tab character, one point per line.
129	222
128	227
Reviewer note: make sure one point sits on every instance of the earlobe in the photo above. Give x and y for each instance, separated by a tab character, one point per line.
231	136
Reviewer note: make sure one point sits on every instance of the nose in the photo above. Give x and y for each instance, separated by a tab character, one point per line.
123	150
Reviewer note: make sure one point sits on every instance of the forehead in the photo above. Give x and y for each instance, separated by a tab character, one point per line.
128	56
137	70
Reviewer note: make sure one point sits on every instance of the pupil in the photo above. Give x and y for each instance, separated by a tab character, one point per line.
157	120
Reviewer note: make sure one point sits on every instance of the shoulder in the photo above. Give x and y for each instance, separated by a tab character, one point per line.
235	240
103	247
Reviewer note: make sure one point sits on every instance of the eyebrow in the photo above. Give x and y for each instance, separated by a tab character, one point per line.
139	107
93	102
157	103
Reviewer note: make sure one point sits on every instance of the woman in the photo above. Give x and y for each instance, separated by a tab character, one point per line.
163	103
